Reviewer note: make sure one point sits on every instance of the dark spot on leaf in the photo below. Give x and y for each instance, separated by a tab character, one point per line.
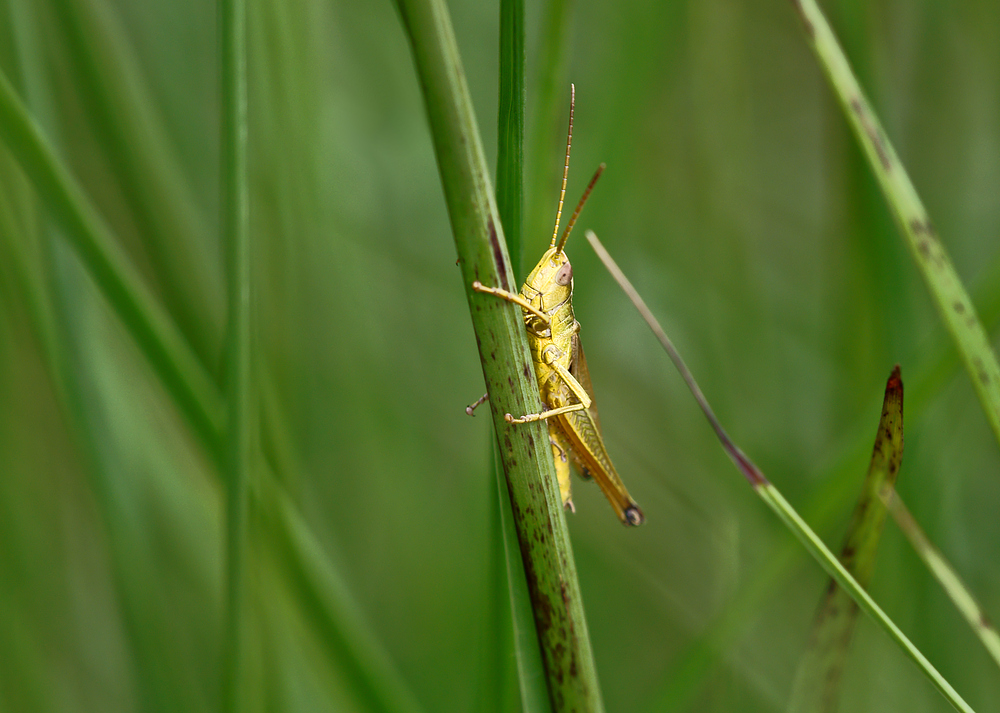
497	253
526	371
874	135
921	227
959	307
981	373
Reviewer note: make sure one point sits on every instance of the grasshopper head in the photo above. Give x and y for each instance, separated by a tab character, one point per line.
552	278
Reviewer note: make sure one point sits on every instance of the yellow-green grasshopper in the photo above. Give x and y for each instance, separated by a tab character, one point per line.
560	366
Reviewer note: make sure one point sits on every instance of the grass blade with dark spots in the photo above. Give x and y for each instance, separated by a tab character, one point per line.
948	292
817	682
499	327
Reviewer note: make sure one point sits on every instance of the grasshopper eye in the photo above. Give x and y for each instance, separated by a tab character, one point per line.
565	274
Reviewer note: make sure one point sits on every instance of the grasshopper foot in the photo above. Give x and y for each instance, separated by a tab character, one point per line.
634	516
472	407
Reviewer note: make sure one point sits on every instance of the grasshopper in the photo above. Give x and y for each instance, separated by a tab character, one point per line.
560	366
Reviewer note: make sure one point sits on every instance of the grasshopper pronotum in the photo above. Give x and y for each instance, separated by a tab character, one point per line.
560	366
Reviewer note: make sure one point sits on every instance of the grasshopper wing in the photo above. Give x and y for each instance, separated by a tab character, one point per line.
578	368
587	451
581	432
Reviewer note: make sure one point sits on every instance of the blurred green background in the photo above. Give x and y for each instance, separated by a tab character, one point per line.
734	198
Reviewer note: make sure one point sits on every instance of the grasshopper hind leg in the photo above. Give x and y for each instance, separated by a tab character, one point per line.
559	456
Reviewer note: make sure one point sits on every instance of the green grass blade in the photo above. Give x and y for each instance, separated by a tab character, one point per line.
199	398
546	124
816	687
525	452
829	562
510	122
691	670
770	495
499	690
947	291
159	198
182	373
59	298
241	407
534	695
327	603
945	574
520	632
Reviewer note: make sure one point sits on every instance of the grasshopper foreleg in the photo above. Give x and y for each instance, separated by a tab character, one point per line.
511	297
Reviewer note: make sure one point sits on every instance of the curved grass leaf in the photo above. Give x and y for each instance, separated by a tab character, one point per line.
773	498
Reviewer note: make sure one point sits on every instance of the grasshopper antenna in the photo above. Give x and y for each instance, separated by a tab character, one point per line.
579	207
569	142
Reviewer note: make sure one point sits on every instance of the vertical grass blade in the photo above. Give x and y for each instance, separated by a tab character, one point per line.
946	288
510	126
525	452
519	630
816	688
239	401
546	125
185	379
774	500
200	402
